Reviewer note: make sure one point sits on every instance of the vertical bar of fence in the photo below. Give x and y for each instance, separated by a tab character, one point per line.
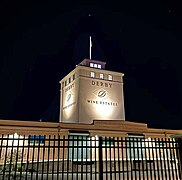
77	154
82	147
127	158
72	158
153	157
63	156
174	149
1	149
123	162
146	157
33	149
43	156
5	156
114	148
134	161
164	158
86	156
95	151
90	147
22	156
119	170
16	154
32	160
38	154
58	150
53	156
131	165
160	155
150	161
100	160
48	155
138	158
11	154
27	163
105	147
110	155
68	156
179	153
168	157
171	159
157	156
142	156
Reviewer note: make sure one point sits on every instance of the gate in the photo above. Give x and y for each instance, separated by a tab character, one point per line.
85	157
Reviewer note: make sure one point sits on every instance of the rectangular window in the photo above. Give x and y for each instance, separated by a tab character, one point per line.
110	77
101	76
99	66
65	83
108	141
91	64
135	145
36	139
73	77
92	74
95	65
79	147
69	80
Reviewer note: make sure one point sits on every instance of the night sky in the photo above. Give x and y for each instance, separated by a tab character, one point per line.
41	43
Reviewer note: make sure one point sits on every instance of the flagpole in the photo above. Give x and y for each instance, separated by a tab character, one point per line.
90	47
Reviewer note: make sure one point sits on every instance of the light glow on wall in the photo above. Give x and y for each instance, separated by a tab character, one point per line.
69	102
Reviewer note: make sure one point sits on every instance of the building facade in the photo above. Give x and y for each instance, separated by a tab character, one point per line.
90	92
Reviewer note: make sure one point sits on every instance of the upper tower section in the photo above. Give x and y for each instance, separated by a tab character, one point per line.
93	64
90	92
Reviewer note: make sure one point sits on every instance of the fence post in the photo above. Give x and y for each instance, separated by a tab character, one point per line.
179	141
100	160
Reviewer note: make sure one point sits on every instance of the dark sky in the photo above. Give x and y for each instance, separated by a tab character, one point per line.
41	43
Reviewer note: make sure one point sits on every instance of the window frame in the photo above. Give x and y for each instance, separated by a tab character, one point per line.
92	74
110	77
101	76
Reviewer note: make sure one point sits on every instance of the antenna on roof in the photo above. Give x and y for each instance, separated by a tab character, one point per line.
90	46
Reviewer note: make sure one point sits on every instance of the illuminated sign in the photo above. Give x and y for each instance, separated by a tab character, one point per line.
86	99
102	94
101	84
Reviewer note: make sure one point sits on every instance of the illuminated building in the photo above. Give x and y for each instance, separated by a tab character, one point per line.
89	92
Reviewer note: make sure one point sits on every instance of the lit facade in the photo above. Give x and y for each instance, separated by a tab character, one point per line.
90	92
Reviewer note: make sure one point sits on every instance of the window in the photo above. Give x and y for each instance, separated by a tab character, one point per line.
108	141
65	83
91	64
36	139
99	66
92	74
73	76
79	147
110	77
69	80
94	65
135	145
101	76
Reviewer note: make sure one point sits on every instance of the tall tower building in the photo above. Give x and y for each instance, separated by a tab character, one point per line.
90	92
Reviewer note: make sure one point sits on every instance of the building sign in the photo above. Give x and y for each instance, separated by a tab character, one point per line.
101	84
101	95
69	96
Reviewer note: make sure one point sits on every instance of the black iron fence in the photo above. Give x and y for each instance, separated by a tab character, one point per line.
85	157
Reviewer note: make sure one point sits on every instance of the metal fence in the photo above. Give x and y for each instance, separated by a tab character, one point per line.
85	157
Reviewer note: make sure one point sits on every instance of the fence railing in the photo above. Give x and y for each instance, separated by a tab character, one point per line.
85	157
